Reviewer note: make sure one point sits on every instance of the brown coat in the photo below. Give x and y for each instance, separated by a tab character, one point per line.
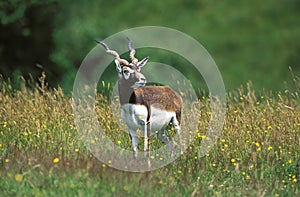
161	96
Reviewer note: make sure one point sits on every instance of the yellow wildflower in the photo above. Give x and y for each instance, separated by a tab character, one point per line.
55	160
125	187
113	189
19	177
270	148
258	149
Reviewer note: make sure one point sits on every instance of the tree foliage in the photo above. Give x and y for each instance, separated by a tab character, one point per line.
249	40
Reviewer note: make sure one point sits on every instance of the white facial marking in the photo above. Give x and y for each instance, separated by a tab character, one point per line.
127	72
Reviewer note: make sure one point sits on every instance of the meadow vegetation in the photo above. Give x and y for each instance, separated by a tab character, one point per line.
258	153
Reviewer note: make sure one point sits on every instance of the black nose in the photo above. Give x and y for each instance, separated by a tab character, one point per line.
143	79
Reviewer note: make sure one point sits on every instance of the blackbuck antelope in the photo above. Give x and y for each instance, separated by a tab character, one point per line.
151	109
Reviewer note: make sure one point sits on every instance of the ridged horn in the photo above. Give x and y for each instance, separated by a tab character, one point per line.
113	53
134	60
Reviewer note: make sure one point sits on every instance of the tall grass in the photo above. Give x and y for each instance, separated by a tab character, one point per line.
41	154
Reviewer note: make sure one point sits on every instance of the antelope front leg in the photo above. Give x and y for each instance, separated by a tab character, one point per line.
147	130
134	140
146	138
164	138
178	132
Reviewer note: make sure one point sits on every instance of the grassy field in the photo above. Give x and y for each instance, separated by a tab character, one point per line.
258	153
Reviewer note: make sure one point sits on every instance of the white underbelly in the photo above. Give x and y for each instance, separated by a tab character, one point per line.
135	116
160	118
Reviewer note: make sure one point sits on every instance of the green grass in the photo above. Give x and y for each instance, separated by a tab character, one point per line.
41	154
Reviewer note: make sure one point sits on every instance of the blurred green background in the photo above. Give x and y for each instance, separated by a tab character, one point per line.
253	40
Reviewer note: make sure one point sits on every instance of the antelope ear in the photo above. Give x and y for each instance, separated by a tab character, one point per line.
142	63
118	66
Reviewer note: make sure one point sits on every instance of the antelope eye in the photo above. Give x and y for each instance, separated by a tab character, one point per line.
125	71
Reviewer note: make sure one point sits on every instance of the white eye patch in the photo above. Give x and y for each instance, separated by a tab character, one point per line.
127	72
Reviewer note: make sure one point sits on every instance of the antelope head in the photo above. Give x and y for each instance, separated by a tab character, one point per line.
129	72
